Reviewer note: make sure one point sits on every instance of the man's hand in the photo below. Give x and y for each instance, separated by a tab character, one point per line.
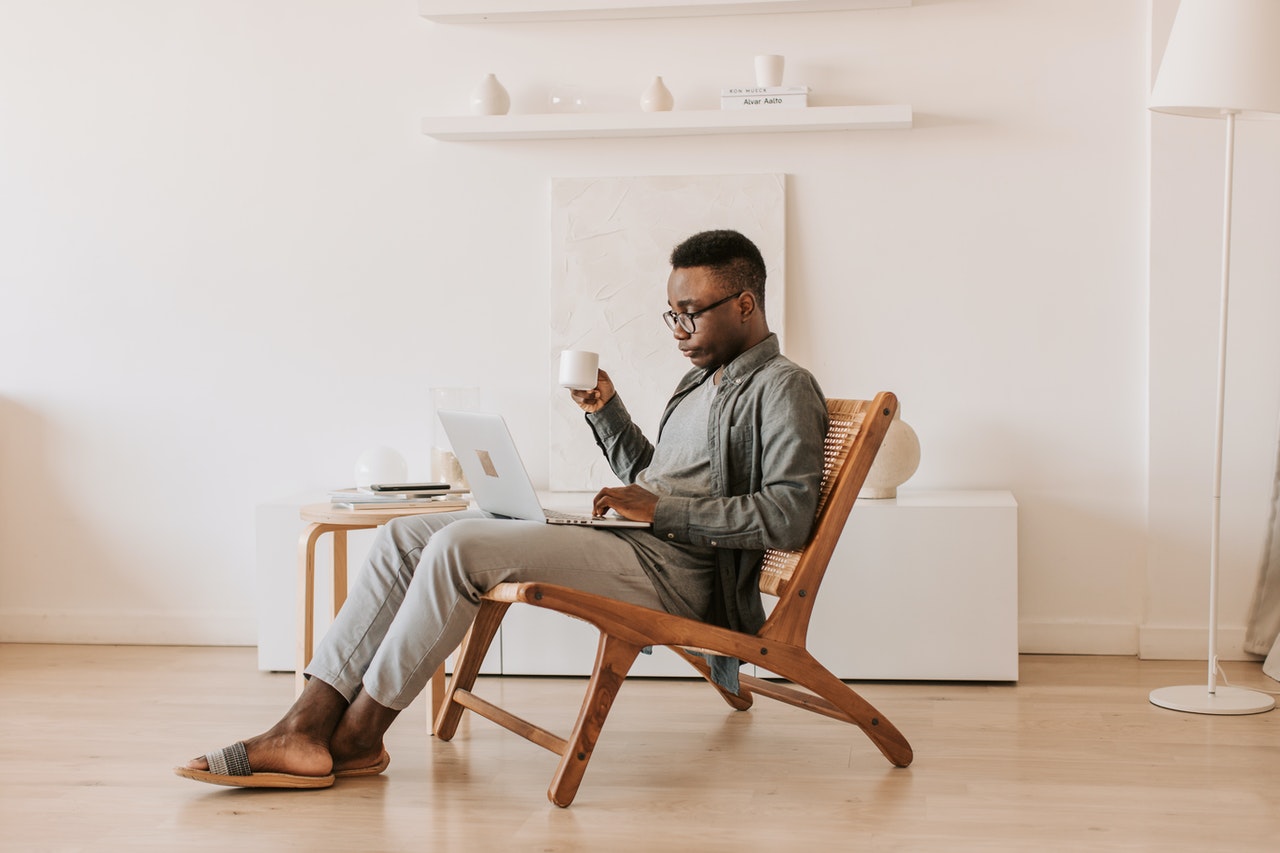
594	400
631	502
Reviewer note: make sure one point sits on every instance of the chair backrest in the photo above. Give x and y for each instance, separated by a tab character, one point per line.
855	430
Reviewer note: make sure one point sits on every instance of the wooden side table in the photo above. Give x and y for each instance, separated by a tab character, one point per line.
326	518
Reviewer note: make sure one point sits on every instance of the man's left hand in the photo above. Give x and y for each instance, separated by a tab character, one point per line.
630	502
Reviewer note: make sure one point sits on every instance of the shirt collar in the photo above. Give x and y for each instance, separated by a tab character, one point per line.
742	366
754	358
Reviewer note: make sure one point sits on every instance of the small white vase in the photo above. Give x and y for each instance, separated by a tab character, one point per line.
898	459
489	98
657	98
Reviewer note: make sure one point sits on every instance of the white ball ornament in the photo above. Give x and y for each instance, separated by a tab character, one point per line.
898	459
380	465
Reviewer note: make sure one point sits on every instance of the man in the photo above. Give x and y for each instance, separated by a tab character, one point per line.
736	470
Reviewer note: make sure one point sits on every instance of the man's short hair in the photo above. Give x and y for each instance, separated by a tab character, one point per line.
734	259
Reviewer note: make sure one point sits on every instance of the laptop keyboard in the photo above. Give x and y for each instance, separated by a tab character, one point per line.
574	517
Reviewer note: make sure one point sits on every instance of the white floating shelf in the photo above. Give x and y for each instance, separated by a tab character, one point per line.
518	11
675	123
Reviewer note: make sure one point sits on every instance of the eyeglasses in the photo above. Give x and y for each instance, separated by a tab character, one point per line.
685	320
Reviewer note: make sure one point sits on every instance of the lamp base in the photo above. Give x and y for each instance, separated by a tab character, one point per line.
1196	699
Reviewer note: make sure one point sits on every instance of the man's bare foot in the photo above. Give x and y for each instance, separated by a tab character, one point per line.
282	753
294	753
362	765
355	750
356	742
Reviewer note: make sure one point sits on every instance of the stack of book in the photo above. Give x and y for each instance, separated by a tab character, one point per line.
438	497
763	97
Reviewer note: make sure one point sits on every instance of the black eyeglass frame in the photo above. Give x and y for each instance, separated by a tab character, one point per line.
686	319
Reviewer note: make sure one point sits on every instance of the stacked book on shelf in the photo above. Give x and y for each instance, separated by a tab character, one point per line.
763	97
398	496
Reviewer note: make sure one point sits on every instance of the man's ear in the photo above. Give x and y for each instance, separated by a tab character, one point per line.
747	307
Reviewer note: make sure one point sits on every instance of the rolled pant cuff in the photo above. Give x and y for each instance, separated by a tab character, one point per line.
348	686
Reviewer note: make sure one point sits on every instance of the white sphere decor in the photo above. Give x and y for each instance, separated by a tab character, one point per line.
380	465
898	459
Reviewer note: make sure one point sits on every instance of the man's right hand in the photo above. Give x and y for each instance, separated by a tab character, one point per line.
595	399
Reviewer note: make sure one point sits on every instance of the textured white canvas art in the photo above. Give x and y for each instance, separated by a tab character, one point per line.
610	251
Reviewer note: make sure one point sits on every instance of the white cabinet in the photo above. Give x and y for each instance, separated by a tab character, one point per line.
922	587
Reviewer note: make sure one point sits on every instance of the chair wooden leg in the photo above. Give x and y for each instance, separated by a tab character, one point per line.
891	743
614	658
739	701
437	698
470	656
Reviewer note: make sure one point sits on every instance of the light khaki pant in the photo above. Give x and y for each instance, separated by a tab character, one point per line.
419	590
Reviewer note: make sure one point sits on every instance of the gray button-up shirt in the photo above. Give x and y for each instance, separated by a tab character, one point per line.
766	431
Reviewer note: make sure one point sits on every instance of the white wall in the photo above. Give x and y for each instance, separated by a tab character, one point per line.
231	262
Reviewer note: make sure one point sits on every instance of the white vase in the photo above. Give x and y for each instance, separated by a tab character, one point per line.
489	98
898	459
657	98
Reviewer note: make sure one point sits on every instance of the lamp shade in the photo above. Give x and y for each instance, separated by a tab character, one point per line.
1223	56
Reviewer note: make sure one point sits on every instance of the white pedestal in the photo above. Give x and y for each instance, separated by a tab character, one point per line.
277	527
923	587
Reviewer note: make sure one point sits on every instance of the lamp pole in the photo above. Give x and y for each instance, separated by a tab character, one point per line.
1214	699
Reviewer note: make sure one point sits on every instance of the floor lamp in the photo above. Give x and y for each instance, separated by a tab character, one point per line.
1222	62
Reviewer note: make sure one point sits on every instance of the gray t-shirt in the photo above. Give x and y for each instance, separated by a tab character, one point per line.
681	465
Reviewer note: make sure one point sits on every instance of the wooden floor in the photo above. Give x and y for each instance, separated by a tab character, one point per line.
1073	757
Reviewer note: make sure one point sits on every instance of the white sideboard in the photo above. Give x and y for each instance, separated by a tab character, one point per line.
921	587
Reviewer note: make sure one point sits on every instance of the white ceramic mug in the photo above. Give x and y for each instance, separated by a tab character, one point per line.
578	369
769	69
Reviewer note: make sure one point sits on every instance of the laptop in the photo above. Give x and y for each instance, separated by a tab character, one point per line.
497	476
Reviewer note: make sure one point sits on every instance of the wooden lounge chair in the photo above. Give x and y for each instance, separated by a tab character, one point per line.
857	427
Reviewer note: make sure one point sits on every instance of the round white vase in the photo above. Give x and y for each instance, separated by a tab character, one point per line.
489	98
898	459
657	98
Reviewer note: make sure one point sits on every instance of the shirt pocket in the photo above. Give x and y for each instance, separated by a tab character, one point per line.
742	459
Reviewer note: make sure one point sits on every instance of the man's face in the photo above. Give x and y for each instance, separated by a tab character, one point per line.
720	334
